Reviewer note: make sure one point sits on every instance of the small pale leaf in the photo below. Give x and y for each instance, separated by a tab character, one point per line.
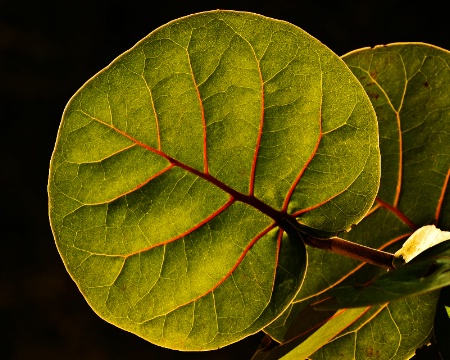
422	239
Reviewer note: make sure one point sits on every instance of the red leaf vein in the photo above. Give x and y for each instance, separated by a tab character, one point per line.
200	101
258	140
400	160
441	197
302	170
201	223
228	274
398	213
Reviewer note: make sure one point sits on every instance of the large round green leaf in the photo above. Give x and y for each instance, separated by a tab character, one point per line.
175	165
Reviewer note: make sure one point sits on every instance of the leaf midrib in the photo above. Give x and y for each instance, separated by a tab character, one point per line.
278	216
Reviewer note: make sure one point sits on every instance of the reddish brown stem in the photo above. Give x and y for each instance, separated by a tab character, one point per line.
353	250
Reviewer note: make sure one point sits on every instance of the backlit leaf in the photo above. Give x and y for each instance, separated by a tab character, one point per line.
393	332
409	86
175	165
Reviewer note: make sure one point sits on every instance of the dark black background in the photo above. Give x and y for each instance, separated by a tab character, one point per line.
48	49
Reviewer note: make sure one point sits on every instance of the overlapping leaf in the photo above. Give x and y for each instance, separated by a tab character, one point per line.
429	271
409	86
175	165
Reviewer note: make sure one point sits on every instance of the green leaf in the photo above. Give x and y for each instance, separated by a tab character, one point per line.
176	164
306	341
393	332
429	271
385	331
409	86
442	323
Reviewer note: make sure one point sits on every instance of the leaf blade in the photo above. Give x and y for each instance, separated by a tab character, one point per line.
202	96
409	139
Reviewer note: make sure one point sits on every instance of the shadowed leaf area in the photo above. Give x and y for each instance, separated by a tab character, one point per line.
429	271
175	164
409	86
